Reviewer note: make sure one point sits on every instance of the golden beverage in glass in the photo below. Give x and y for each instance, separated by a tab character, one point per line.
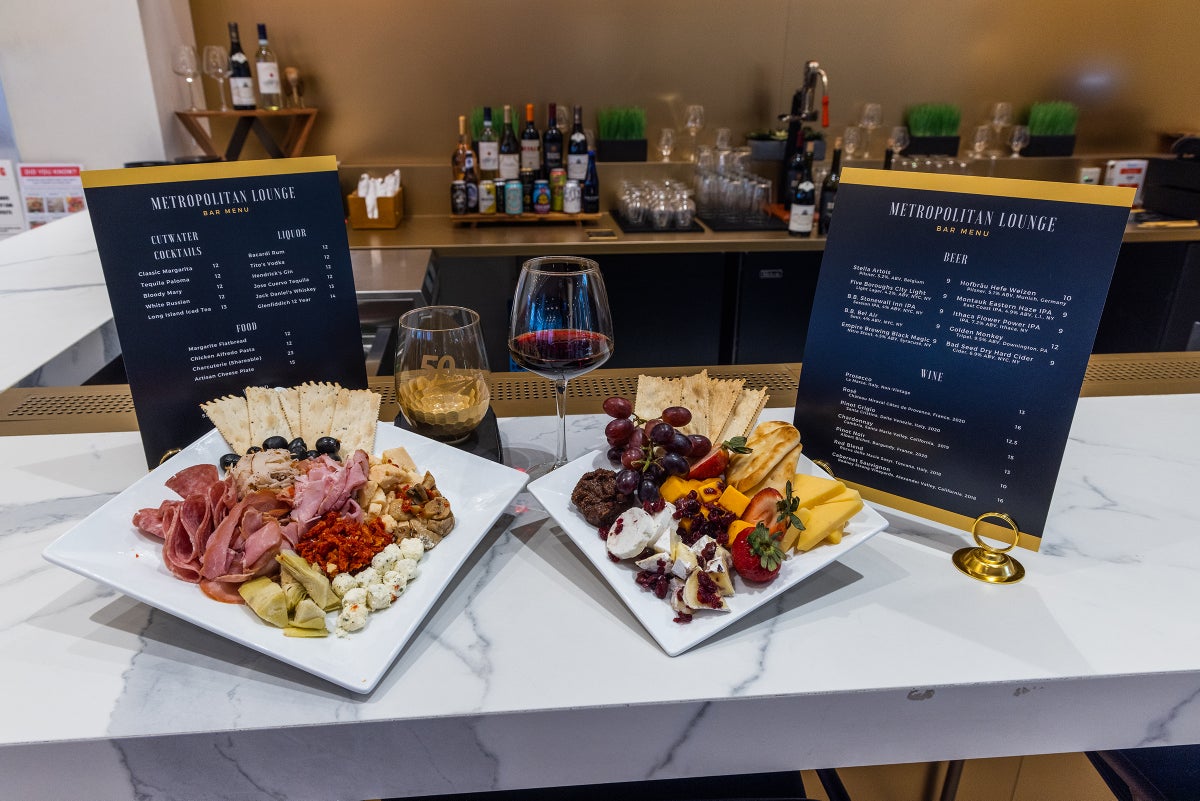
441	372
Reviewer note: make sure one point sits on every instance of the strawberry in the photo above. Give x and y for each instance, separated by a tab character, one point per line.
757	555
715	461
764	508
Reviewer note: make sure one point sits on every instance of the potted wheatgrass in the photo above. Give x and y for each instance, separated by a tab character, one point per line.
1052	128
932	129
621	134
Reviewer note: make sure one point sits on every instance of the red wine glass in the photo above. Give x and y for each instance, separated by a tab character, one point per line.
561	327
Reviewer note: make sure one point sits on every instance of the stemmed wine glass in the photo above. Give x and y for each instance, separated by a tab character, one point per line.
216	66
1020	138
694	125
872	117
666	143
851	139
183	64
898	139
561	327
983	135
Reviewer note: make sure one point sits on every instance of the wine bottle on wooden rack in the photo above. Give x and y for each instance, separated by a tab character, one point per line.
489	148
552	142
462	152
510	149
531	144
270	88
577	149
241	85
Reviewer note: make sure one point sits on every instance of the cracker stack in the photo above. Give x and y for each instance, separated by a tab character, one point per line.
309	411
720	409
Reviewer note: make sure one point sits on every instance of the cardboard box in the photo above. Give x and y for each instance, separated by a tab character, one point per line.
391	211
1127	172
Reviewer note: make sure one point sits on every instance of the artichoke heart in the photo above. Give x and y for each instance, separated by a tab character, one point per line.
315	583
267	600
295	631
292	589
308	615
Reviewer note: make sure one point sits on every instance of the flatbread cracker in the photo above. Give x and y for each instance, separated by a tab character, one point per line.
780	474
289	399
746	410
770	443
231	416
266	415
722	395
694	396
317	402
655	394
355	416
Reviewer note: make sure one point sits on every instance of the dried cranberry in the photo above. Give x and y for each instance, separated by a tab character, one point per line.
709	552
708	593
681	618
613	558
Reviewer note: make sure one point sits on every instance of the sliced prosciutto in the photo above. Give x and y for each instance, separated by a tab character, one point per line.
329	486
184	525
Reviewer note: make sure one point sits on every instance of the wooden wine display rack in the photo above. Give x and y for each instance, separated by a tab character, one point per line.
527	218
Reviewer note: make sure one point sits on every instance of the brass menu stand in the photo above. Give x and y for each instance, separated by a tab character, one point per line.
986	562
300	123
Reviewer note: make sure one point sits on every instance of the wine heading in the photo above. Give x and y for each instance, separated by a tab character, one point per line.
229	197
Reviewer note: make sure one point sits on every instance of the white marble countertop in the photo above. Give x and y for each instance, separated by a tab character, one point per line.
530	668
55	317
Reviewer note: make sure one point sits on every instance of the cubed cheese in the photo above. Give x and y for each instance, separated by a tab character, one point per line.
733	500
411	548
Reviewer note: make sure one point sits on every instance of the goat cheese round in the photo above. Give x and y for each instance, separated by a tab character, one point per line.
343	583
379	596
411	548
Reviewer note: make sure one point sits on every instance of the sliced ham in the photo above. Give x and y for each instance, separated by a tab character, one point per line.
328	486
223	591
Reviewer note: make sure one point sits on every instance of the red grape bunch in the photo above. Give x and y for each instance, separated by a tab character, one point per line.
649	450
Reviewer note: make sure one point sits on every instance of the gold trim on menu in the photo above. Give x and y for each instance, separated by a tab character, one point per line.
1091	194
946	517
173	173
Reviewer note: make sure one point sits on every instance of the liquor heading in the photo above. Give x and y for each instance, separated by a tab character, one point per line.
195	200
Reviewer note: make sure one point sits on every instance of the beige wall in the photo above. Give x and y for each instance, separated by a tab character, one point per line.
391	76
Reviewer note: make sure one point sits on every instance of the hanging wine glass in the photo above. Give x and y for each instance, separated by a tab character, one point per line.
216	66
561	327
183	64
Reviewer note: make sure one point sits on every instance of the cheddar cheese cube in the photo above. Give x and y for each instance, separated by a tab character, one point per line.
733	500
735	528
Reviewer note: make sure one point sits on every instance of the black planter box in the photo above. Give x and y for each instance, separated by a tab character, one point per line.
621	150
932	146
1050	146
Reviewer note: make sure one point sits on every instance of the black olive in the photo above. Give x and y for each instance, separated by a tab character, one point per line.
274	443
253	449
228	461
311	455
299	452
298	444
328	445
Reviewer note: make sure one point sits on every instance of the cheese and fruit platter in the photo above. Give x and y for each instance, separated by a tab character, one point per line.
697	512
260	538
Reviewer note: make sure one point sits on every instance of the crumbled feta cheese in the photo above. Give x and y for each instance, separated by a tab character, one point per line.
379	596
342	583
411	548
354	596
385	560
395	582
407	568
353	616
367	576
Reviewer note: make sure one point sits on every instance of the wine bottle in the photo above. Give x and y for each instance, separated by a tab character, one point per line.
793	167
471	182
270	88
591	186
241	86
577	149
531	144
489	148
510	150
462	152
829	188
552	142
804	200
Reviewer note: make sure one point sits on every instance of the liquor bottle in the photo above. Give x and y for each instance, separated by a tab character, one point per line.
510	149
829	188
552	142
241	85
270	88
804	200
531	144
463	152
591	186
792	168
489	148
577	149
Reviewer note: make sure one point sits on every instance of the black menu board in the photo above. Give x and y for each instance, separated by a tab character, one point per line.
224	276
951	329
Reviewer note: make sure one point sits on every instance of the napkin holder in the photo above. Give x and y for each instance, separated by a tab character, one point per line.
391	211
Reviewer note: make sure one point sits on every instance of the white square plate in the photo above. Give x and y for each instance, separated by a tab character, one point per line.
554	493
107	548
